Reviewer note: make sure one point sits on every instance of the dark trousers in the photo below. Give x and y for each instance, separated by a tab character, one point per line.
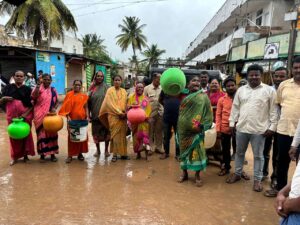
168	125
267	150
284	144
226	142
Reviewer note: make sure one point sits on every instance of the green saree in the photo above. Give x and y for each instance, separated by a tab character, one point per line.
195	111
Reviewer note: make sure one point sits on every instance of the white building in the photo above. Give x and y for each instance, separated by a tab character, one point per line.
237	22
70	45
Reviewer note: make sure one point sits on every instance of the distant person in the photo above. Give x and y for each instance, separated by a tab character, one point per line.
75	108
97	93
214	94
204	78
280	75
222	124
45	98
17	102
30	81
40	76
254	117
195	117
152	91
113	116
242	83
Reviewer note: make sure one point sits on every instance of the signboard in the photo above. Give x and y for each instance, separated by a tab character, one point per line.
256	48
271	51
43	56
273	65
298	22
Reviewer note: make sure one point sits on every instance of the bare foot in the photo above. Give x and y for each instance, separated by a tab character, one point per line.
13	162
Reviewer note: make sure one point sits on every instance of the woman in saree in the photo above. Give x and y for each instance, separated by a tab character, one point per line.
16	98
195	117
140	131
214	94
97	93
74	107
45	101
113	116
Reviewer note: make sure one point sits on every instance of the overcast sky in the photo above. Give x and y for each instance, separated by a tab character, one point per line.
172	24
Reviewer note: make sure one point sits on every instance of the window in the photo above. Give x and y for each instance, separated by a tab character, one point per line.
259	15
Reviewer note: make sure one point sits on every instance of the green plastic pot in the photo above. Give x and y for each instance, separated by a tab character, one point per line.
18	129
173	81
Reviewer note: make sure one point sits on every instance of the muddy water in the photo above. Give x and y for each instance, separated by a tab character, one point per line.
127	192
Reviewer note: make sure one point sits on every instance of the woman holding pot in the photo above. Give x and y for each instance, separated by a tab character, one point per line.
75	109
45	102
113	116
140	131
16	98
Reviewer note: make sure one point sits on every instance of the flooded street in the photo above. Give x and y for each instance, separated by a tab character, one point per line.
127	192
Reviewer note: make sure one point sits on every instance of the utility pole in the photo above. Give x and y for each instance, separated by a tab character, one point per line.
292	41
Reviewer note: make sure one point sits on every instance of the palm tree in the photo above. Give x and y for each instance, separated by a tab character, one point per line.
93	46
152	54
131	35
38	18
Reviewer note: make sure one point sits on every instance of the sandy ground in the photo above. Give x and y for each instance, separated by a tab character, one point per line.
97	191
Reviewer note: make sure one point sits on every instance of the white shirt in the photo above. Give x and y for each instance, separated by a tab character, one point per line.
295	185
296	139
254	109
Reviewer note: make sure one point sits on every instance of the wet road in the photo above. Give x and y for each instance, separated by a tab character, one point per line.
127	192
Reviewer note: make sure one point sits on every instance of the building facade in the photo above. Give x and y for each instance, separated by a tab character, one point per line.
237	22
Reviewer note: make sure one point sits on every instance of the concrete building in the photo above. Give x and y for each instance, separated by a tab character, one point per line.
237	22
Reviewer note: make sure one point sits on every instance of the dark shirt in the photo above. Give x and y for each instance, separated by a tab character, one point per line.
171	107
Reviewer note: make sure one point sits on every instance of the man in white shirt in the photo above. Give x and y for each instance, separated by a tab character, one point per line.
254	117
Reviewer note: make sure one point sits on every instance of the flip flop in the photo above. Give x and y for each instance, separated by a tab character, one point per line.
199	183
257	186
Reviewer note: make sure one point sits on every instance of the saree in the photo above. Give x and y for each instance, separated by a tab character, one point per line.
214	98
15	109
46	142
74	107
140	131
96	97
114	104
195	111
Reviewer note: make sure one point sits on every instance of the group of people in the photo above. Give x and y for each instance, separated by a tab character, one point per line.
255	113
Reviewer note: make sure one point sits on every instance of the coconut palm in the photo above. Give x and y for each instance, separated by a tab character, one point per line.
152	54
131	35
38	18
93	47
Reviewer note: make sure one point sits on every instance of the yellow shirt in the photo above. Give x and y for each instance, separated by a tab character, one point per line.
288	97
153	95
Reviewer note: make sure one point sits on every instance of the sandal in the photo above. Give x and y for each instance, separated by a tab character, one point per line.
223	172
257	186
68	160
245	176
233	178
80	157
183	178
53	158
114	158
272	193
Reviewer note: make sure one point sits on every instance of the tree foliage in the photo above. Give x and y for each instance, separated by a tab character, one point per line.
38	18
